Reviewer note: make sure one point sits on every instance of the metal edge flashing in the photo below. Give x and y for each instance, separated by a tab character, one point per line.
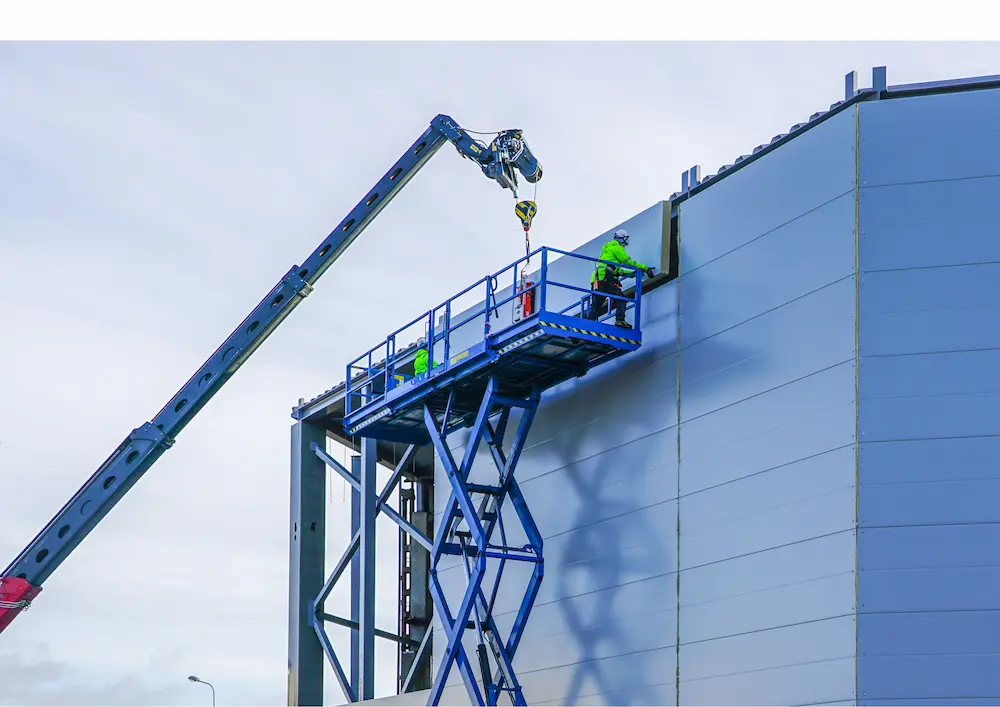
761	150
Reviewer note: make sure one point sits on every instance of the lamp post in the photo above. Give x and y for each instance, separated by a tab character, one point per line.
194	678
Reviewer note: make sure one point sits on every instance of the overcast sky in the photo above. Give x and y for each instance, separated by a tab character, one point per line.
151	195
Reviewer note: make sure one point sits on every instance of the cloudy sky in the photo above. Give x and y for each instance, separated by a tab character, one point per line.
150	195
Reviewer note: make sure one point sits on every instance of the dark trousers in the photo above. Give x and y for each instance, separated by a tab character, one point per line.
599	305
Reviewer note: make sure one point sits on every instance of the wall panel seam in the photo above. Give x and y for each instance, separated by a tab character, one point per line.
677	549
687	273
857	393
775	627
935	525
769	549
552	602
935	611
764	670
771	588
932	181
765	312
611	417
924	396
769	390
592	660
528	480
891	440
935	352
937	267
769	469
610	518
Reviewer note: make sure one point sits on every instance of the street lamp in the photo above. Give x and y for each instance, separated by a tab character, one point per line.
194	678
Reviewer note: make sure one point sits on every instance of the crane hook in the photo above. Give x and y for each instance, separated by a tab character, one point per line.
525	211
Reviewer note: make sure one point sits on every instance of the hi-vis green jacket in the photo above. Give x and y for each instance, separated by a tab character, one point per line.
420	362
616	253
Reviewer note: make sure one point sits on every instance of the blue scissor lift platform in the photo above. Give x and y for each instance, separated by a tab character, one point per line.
495	355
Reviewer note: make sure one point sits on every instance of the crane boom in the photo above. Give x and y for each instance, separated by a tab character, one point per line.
500	161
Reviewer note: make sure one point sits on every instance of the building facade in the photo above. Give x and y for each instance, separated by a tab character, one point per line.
787	495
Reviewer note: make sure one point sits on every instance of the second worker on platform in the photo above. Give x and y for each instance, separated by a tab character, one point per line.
607	278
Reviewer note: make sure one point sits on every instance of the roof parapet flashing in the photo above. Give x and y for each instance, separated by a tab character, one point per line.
968	84
880	89
850	85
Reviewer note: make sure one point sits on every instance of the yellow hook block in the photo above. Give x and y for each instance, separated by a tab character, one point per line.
525	211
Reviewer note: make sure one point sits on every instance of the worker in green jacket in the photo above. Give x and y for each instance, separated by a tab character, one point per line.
607	278
420	362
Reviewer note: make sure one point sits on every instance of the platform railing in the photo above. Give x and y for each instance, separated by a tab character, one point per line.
442	331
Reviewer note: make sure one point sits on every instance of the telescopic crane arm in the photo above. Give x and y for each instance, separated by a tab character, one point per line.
501	160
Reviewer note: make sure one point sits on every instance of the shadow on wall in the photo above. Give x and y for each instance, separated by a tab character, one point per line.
699	312
613	541
708	354
636	400
619	536
605	556
635	384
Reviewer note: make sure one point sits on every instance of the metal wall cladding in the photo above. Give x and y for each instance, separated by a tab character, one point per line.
942	137
929	612
599	473
798	177
767	428
716	531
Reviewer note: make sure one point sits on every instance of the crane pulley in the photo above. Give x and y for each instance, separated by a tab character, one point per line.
509	154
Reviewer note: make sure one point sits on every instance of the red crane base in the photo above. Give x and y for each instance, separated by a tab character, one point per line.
14	591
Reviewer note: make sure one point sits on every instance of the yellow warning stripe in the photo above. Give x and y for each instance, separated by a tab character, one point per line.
593	333
521	341
513	345
369	420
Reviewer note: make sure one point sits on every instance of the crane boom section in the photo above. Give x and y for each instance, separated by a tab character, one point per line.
22	579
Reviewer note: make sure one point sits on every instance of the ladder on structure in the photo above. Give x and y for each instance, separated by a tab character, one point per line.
407	498
498	374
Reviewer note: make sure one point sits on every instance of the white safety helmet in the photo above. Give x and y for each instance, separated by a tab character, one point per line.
621	235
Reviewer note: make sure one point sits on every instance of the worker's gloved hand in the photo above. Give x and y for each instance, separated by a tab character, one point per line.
650	272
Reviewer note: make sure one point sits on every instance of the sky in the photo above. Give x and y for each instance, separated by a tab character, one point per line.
152	194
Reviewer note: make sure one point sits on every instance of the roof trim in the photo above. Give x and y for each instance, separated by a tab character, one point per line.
951	86
776	142
692	183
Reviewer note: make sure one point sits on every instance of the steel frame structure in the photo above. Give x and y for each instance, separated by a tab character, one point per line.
309	588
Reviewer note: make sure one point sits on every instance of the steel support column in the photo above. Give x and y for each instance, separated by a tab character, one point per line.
366	588
355	674
307	525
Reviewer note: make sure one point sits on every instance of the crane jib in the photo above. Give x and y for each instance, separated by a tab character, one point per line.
22	580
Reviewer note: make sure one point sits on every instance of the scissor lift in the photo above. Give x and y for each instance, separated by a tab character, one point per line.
512	345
